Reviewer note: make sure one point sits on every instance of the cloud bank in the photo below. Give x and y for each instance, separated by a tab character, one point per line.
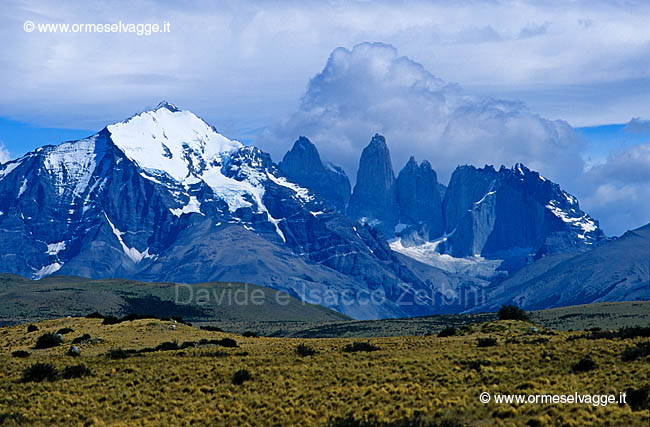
239	62
371	88
618	190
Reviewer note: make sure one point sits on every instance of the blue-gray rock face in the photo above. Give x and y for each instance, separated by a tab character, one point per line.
374	199
418	197
408	206
512	212
303	165
163	197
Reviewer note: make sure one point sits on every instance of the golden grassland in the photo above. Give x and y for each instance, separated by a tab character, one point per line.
408	375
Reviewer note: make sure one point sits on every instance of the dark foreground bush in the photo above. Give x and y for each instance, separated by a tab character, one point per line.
15	417
638	399
417	420
32	328
639	351
48	340
584	365
167	346
449	331
250	334
304	350
110	320
622	333
360	346
241	376
64	331
117	354
77	371
512	312
78	340
486	342
40	372
95	315
227	342
20	353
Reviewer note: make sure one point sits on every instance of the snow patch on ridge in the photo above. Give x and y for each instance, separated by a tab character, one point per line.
427	253
193	206
583	222
301	192
232	191
7	168
47	270
55	248
23	187
488	194
135	255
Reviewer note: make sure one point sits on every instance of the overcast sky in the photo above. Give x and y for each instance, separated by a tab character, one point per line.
454	82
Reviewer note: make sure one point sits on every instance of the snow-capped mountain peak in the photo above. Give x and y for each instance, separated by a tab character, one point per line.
172	141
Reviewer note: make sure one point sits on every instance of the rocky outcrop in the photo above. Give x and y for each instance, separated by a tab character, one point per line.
303	165
418	197
512	212
374	199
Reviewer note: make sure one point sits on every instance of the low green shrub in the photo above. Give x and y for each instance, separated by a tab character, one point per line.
360	346
585	364
78	340
48	340
94	315
304	350
241	376
449	331
486	342
639	351
13	418
77	371
512	312
628	332
40	372
638	398
117	354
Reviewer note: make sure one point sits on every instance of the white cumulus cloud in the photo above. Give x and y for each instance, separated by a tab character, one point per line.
371	88
617	191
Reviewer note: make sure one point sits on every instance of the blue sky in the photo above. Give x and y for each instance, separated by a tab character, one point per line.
19	138
526	74
605	139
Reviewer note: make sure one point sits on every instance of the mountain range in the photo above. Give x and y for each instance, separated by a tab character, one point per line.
163	196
